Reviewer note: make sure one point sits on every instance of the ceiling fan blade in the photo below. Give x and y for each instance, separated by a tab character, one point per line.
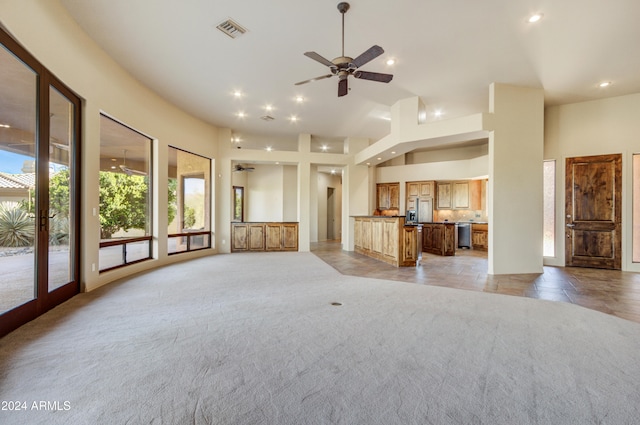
373	76
130	171
369	55
318	58
343	87
314	79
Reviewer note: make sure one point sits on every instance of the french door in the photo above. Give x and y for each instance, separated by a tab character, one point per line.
39	196
593	212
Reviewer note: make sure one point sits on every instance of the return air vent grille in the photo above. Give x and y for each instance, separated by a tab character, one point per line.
231	28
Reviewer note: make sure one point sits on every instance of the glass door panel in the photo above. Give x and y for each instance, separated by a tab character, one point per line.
61	137
18	103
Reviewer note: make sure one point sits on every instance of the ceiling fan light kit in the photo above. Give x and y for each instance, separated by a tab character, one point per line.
343	66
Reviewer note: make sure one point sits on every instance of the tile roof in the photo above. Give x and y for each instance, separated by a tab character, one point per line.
17	181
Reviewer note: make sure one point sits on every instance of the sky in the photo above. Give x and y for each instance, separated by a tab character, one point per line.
12	163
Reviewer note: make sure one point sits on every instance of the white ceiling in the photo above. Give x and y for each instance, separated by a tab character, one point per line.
446	51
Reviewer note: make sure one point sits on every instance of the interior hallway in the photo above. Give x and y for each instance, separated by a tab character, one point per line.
609	291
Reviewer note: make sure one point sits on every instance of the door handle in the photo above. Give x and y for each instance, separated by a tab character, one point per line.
571	225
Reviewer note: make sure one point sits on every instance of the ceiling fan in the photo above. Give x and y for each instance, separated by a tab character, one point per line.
130	171
240	168
343	66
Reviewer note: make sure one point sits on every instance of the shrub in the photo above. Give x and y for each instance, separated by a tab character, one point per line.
58	230
16	227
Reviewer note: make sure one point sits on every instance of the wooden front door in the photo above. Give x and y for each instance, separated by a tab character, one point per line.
593	212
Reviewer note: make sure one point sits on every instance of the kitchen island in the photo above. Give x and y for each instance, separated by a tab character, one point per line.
388	239
439	238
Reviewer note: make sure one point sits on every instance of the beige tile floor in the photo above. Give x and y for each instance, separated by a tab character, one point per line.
610	291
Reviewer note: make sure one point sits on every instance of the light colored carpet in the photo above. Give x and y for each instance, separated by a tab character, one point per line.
254	339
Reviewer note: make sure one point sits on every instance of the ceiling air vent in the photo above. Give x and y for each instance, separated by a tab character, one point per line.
267	118
231	28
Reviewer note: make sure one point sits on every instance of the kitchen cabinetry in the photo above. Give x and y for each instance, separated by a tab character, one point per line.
420	197
480	236
271	236
445	193
388	196
460	195
476	188
439	238
388	239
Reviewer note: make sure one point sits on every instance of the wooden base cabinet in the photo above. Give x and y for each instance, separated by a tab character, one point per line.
480	236
388	239
258	237
439	238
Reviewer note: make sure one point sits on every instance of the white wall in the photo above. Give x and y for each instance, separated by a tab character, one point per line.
290	193
599	127
515	180
264	194
326	181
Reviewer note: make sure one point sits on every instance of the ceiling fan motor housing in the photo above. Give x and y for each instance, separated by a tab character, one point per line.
343	7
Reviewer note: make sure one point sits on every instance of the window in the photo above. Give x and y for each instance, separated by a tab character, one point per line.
549	208
636	208
189	214
238	203
125	195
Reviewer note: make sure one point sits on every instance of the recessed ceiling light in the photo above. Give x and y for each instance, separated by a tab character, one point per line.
299	99
113	167
268	108
379	159
293	118
241	114
333	171
5	126
237	94
368	163
438	113
324	147
269	148
535	18
605	84
393	152
391	61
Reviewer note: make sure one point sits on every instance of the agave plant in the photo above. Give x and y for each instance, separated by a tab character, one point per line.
59	231
16	227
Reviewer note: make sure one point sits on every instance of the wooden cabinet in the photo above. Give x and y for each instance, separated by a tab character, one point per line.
444	196
388	239
420	197
476	190
420	189
439	238
480	236
411	246
388	196
460	195
272	236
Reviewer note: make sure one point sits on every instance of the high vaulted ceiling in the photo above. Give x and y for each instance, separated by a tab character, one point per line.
446	52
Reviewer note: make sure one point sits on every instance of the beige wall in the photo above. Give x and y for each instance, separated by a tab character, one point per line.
598	127
105	87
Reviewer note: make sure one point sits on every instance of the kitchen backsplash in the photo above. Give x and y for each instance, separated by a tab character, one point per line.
459	215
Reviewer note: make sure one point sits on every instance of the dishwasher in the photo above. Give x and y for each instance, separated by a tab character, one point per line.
464	235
